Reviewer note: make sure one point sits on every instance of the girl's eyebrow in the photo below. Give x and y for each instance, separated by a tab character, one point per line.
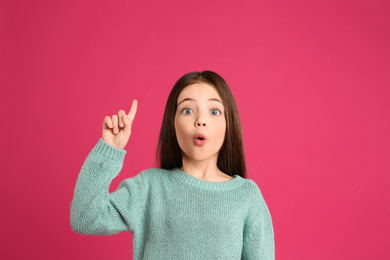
190	99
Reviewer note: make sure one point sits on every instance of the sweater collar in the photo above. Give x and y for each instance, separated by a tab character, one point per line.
206	185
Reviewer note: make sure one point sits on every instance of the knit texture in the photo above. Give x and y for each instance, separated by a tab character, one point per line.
171	214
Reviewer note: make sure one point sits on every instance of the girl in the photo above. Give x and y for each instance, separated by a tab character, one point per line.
198	204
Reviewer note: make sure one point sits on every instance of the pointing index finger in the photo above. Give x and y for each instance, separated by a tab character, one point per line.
133	110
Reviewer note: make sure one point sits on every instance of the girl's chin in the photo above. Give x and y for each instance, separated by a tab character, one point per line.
198	156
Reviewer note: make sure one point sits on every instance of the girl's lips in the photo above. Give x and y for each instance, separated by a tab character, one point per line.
199	141
200	136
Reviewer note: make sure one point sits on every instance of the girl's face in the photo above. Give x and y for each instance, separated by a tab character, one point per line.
200	111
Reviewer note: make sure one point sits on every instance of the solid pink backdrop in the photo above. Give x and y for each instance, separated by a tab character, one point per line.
311	81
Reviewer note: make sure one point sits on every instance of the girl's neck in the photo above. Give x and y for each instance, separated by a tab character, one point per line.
204	171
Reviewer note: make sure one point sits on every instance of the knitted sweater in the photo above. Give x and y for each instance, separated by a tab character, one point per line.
171	214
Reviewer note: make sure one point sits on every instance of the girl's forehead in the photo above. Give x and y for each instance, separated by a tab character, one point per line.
199	91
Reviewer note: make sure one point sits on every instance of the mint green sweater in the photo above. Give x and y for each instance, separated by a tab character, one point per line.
171	214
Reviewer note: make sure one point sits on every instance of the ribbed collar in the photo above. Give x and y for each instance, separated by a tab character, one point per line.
206	185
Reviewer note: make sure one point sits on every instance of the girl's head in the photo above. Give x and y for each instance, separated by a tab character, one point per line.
175	125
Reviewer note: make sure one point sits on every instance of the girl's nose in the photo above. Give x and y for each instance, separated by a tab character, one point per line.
200	122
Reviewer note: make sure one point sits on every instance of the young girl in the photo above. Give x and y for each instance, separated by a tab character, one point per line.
198	204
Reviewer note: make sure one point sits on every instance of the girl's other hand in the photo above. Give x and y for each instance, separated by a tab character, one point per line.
117	130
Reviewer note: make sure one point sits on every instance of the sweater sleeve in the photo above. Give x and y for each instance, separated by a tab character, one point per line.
93	210
259	236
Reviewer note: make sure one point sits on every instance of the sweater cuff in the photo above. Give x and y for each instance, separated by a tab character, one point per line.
107	150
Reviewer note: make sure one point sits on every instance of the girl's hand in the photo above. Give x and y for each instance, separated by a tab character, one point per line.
117	130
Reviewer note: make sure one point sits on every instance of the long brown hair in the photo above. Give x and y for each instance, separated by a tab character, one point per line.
231	159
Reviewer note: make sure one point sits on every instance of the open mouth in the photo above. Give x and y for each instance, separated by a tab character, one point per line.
200	139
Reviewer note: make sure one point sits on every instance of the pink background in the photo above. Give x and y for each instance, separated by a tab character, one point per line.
310	78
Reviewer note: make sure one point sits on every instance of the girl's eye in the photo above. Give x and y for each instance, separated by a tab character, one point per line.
188	111
215	112
185	110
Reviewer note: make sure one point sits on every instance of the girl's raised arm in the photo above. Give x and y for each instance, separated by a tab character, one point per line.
93	210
